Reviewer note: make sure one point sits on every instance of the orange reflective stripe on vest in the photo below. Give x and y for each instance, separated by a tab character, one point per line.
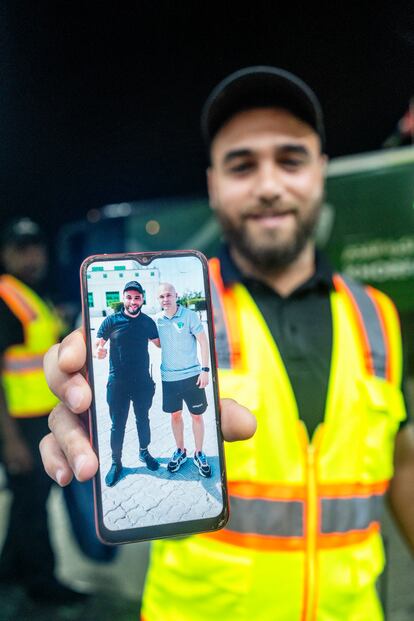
15	299
274	518
226	332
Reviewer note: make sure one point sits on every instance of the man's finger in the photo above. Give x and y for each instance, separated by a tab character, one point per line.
61	363
237	422
72	352
54	461
73	441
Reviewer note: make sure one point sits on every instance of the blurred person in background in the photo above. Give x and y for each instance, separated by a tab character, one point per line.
28	327
314	355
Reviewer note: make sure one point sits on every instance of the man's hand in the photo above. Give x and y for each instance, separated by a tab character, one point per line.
202	379
401	490
67	450
101	352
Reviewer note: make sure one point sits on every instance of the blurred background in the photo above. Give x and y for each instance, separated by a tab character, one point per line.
100	144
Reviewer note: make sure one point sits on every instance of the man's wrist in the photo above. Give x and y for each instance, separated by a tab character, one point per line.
205	369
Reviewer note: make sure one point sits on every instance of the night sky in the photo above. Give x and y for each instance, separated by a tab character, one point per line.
100	100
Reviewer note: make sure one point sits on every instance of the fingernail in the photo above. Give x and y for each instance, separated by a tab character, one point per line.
60	476
78	463
74	396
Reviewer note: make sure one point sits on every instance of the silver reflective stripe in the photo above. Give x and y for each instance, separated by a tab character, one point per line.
341	515
286	518
372	326
28	364
222	340
266	517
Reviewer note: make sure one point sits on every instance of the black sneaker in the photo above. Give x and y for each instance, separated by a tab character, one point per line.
177	460
114	474
200	461
148	459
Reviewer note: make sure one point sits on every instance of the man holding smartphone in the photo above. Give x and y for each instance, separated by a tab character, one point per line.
183	378
129	332
315	356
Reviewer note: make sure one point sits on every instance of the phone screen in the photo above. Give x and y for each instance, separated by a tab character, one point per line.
155	410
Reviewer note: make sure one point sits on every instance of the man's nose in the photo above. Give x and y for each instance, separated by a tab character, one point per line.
269	186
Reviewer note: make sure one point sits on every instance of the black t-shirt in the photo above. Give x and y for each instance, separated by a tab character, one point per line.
128	356
301	325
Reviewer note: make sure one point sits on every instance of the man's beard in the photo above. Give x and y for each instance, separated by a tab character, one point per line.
133	312
270	253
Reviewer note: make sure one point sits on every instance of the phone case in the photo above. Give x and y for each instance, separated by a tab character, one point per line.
149	331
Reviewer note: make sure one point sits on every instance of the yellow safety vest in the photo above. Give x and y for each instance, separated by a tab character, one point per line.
25	386
302	542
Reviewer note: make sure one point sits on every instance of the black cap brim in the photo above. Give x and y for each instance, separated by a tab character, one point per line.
260	87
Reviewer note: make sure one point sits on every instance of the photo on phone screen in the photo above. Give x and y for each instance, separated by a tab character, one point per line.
155	405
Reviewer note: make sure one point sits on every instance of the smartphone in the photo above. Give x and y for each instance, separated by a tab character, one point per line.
155	415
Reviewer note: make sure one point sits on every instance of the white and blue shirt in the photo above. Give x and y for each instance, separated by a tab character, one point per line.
179	344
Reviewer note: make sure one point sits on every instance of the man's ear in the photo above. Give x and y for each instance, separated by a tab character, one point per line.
211	186
324	162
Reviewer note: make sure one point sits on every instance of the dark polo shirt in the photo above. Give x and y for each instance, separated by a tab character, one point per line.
301	325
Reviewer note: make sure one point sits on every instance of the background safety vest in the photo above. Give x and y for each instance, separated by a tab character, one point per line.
25	386
302	542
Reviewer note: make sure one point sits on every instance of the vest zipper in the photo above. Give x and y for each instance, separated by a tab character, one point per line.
311	529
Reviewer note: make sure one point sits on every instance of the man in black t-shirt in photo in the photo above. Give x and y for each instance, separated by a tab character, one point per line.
128	331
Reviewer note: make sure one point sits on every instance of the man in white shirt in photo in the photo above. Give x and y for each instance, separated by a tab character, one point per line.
183	378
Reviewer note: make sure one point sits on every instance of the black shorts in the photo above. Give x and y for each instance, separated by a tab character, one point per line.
174	393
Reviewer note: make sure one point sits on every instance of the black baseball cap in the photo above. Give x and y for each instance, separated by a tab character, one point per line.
22	232
260	87
133	285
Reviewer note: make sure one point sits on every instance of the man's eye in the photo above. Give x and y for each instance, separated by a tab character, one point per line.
240	167
292	162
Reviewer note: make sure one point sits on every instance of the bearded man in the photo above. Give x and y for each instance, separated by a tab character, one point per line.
315	356
129	332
